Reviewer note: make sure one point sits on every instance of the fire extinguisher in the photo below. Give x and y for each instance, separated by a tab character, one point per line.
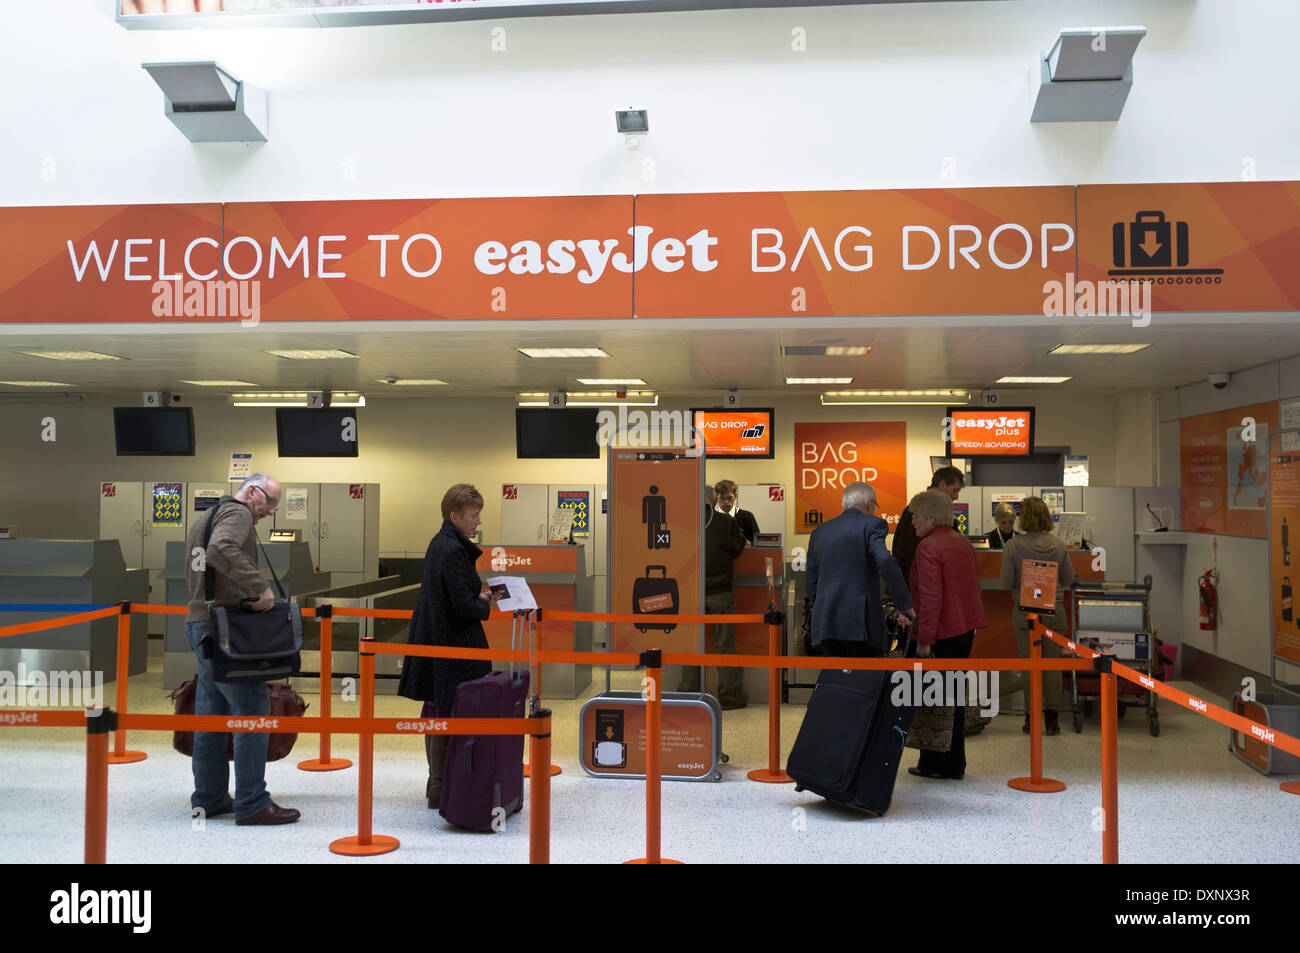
1209	599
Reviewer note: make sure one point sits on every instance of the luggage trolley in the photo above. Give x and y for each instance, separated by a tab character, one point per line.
1114	618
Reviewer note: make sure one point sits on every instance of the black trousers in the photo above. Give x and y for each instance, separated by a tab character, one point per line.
952	761
838	648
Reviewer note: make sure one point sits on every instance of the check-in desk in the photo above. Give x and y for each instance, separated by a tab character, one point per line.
552	573
293	565
749	592
74	571
998	638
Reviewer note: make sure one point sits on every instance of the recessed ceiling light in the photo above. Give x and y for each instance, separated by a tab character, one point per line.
819	380
847	350
561	352
834	350
415	382
72	355
1098	348
35	384
1032	380
609	381
896	397
295	399
320	354
220	383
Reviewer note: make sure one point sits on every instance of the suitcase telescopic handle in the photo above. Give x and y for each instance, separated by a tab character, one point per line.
1149	216
663	571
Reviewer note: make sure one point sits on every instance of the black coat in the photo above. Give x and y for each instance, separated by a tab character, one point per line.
448	612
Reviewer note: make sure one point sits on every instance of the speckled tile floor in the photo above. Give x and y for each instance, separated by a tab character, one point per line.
1183	798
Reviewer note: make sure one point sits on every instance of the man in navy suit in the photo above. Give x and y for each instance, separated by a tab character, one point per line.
847	558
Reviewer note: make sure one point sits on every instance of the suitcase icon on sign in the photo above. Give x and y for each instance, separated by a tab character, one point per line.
1149	243
655	594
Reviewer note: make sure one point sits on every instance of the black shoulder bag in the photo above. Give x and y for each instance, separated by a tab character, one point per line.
252	646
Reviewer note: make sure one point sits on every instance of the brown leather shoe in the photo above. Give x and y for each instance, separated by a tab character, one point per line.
271	814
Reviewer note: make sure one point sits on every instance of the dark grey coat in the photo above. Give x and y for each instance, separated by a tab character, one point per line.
448	612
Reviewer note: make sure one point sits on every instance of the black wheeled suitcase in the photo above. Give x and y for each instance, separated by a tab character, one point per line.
655	594
849	745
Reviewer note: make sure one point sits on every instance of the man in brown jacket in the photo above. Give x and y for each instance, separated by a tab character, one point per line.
232	555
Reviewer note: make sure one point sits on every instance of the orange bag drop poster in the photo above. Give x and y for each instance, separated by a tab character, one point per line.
614	732
829	456
1224	463
1284	517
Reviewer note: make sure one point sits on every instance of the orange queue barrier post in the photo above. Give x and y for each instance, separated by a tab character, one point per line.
539	793
536	667
99	722
1036	783
1109	763
120	753
324	762
773	774
652	659
365	843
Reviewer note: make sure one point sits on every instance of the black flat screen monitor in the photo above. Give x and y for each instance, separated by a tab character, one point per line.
316	432
567	433
154	431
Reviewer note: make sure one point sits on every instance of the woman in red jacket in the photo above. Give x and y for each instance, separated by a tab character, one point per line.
945	586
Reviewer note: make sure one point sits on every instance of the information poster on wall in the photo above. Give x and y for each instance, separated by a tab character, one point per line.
1055	500
1076	470
580	502
241	466
1224	464
656	535
829	456
1284	517
166	504
961	518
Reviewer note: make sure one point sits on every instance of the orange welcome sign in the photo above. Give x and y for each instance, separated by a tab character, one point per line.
1206	246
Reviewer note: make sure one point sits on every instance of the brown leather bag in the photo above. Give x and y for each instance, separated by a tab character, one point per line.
285	703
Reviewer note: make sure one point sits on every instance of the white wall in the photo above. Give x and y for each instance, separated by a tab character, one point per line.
886	95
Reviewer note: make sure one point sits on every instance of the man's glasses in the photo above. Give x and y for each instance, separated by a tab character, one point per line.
269	502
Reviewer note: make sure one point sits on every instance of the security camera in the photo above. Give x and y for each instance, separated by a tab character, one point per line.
1220	380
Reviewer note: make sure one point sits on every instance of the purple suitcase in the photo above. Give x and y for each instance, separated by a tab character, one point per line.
483	773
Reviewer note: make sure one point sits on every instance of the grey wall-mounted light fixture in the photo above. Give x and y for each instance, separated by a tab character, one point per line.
632	124
208	104
1086	75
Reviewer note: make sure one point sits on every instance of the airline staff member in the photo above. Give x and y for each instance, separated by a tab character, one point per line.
727	503
1005	516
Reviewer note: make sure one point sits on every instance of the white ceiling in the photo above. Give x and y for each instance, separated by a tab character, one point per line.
675	358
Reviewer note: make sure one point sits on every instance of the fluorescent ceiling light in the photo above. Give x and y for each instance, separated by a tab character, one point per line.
220	383
295	399
591	399
72	355
561	352
1097	348
917	398
35	384
819	380
834	350
607	381
946	393
1032	380
415	382
321	354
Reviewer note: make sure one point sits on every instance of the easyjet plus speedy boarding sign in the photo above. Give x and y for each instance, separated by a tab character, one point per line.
735	433
1007	431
